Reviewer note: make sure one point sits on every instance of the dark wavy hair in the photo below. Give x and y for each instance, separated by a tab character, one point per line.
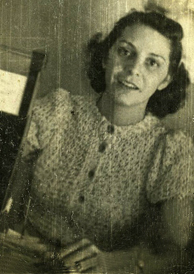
162	102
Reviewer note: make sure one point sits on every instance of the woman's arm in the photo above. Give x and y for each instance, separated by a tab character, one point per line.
177	217
138	260
178	220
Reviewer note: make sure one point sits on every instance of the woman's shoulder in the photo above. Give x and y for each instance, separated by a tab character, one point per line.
63	100
179	141
52	101
177	152
173	147
172	173
52	114
176	145
172	137
62	109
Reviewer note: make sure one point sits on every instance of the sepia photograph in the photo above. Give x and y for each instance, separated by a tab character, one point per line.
97	136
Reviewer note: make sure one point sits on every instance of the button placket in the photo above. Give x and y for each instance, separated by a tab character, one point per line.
106	135
102	147
91	174
110	129
102	130
81	198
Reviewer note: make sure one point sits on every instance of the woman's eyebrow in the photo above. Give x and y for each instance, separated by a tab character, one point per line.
127	42
158	56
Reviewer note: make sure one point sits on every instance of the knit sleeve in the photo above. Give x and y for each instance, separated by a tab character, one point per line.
172	172
49	113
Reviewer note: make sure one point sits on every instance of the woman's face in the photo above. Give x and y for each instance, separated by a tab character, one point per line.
137	65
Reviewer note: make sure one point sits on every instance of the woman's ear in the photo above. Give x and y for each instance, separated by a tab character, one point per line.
165	82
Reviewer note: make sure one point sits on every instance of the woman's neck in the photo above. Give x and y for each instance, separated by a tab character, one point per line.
120	114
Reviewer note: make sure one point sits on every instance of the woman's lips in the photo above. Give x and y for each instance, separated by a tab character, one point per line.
129	85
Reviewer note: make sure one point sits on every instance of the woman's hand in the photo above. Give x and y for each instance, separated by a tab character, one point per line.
83	257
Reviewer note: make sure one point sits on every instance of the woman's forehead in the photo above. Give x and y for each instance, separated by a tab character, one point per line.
144	37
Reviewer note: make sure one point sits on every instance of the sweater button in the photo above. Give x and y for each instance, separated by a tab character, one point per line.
81	199
91	174
110	129
102	147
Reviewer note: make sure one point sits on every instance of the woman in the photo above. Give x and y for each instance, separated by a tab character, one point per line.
111	187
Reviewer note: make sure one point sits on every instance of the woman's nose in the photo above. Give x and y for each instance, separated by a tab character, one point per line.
134	67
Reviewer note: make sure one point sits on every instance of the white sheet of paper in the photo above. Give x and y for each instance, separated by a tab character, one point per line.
11	91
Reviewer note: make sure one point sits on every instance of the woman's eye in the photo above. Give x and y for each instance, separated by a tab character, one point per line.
152	63
123	51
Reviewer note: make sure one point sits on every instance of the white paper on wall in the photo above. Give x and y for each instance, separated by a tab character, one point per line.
12	87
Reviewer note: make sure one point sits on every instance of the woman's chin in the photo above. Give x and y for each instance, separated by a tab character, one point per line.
124	99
